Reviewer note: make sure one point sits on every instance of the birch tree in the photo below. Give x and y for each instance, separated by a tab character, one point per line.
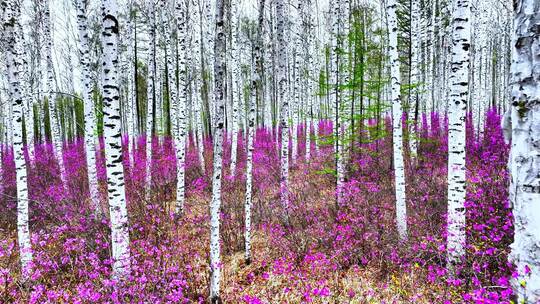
342	96
13	41
113	141
208	49
195	68
51	95
233	55
89	115
413	98
397	126
457	106
313	70
268	69
28	105
219	103
334	81
150	94
162	118
337	74
283	100
296	38
524	162
256	77
36	67
131	86
180	113
430	63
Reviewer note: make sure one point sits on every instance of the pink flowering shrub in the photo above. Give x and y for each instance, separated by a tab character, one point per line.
316	251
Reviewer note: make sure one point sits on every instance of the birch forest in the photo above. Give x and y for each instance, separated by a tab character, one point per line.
270	151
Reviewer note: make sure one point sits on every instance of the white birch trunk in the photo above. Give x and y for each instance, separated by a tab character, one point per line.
130	68
415	46
525	150
307	130
296	37
316	114
10	126
335	9
312	87
28	104
219	100
457	106
180	114
160	61
198	49
424	42
397	126
51	95
208	47
150	97
235	84
14	66
113	142
249	166
256	82
283	101
432	65
242	115
199	126
89	114
195	72
268	79
344	96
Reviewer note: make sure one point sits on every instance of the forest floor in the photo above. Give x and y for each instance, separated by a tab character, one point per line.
315	277
324	253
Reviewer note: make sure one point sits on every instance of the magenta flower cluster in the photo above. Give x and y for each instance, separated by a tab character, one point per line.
320	252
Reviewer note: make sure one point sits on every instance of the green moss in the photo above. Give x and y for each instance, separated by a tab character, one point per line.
521	108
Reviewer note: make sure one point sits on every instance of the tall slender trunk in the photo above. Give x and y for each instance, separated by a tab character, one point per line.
179	144
138	117
316	65
162	119
283	101
195	74
208	47
180	111
524	162
51	95
457	107
431	58
113	141
28	105
413	97
256	85
10	124
266	81
89	114
296	34
219	100
35	33
150	97
397	126
14	66
342	123
249	166
233	55
130	115
311	83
